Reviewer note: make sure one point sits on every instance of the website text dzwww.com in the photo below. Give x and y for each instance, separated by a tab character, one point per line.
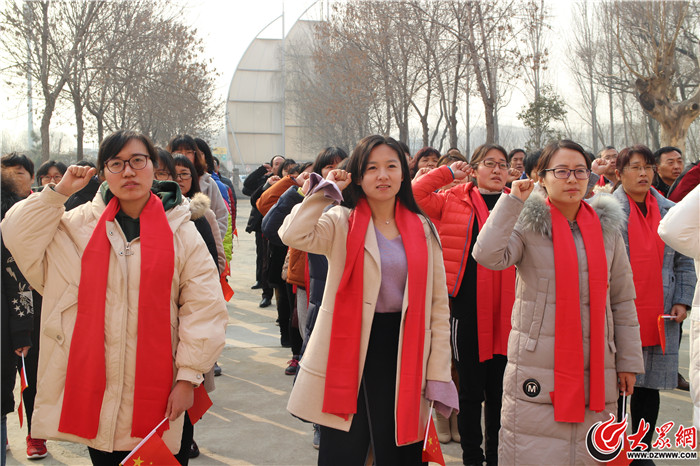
662	455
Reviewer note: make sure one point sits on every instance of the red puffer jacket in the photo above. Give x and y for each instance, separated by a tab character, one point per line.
456	214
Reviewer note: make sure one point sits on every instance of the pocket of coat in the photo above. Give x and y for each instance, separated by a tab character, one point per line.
537	314
54	321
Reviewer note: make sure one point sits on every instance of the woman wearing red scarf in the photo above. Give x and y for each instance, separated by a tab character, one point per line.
482	299
380	346
133	309
663	279
574	343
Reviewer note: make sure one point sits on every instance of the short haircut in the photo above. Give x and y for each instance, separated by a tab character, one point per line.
625	155
13	159
515	151
187	142
181	160
600	152
424	152
286	165
481	151
115	142
165	162
665	150
85	163
451	157
531	160
43	170
272	160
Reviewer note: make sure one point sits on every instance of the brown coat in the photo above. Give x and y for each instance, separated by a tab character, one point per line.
48	244
310	229
529	434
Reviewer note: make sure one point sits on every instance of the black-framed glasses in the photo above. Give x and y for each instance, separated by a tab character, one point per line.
565	173
183	176
641	168
493	164
136	162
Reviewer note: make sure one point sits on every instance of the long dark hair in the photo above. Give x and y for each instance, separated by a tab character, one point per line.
357	165
182	161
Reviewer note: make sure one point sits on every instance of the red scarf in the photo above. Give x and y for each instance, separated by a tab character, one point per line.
86	372
496	295
570	404
342	372
646	259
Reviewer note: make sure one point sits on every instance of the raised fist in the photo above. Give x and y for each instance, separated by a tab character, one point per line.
340	177
75	179
522	188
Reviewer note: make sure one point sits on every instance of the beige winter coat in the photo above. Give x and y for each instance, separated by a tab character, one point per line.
200	206
309	229
529	434
48	244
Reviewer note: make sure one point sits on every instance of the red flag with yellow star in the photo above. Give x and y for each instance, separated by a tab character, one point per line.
153	451
431	447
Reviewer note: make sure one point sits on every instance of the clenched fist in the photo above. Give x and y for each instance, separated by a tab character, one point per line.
75	179
340	177
522	189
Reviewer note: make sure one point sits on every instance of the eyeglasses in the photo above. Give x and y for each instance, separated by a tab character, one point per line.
161	175
565	173
639	168
183	176
610	157
136	162
493	164
185	152
49	178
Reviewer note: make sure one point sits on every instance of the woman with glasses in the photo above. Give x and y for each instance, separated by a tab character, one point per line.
574	343
133	313
50	171
187	146
481	299
664	281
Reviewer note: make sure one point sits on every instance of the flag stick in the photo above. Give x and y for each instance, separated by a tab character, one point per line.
145	439
427	426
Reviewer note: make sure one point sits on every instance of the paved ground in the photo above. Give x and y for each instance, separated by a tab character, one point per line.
248	423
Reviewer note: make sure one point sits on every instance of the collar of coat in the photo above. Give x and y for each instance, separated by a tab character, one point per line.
621	196
536	217
198	205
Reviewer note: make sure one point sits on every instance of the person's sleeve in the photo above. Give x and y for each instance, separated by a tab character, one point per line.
684	271
28	229
680	227
17	294
499	245
218	242
424	190
228	239
628	343
308	228
202	315
253	180
270	196
439	361
218	205
275	217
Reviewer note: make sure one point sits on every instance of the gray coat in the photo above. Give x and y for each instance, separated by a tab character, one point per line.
661	370
529	434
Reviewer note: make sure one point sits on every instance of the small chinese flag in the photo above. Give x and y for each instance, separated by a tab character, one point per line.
201	404
152	451
431	446
23	384
661	323
601	181
226	288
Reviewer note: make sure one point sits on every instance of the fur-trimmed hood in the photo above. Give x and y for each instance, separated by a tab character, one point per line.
536	217
199	204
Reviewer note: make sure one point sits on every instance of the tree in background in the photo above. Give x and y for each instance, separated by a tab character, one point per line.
539	115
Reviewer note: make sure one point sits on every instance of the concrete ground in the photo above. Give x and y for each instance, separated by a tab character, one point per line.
248	423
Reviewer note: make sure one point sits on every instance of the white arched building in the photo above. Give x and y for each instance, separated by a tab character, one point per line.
260	120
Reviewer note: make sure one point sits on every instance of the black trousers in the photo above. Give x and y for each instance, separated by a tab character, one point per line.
373	424
261	263
644	404
479	382
31	363
294	332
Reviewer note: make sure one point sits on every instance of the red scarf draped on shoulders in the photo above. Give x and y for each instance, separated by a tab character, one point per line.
495	295
86	375
569	403
646	259
342	372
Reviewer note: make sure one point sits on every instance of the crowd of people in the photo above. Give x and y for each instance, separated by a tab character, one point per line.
528	286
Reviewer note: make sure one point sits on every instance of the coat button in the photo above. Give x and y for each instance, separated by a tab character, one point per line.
59	337
111	233
199	376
